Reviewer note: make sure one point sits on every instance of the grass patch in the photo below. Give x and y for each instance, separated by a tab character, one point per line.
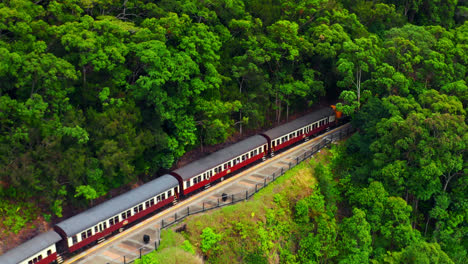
173	249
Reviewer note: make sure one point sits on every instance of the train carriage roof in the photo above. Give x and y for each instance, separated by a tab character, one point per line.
298	123
219	157
116	205
30	248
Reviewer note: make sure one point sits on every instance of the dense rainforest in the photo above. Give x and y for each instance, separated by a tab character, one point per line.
97	94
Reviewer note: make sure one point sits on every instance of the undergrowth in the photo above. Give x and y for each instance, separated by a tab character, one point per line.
15	216
174	249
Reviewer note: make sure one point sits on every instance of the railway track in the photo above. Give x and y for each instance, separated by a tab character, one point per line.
129	244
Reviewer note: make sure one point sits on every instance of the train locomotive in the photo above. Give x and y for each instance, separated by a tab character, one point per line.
93	225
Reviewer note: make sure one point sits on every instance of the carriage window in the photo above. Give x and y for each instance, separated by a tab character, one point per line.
30	262
147	204
158	199
163	196
111	222
152	202
40	257
35	260
140	207
74	239
169	193
89	233
95	230
135	210
124	216
83	236
116	219
49	252
199	180
225	166
211	173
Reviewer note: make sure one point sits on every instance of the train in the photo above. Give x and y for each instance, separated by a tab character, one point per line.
95	224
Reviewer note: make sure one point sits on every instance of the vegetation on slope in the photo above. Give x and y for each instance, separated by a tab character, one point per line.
303	217
173	249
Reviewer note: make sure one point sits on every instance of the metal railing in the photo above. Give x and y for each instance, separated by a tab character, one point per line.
228	199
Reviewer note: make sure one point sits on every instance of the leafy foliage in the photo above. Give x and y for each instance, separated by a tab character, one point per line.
98	94
209	241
